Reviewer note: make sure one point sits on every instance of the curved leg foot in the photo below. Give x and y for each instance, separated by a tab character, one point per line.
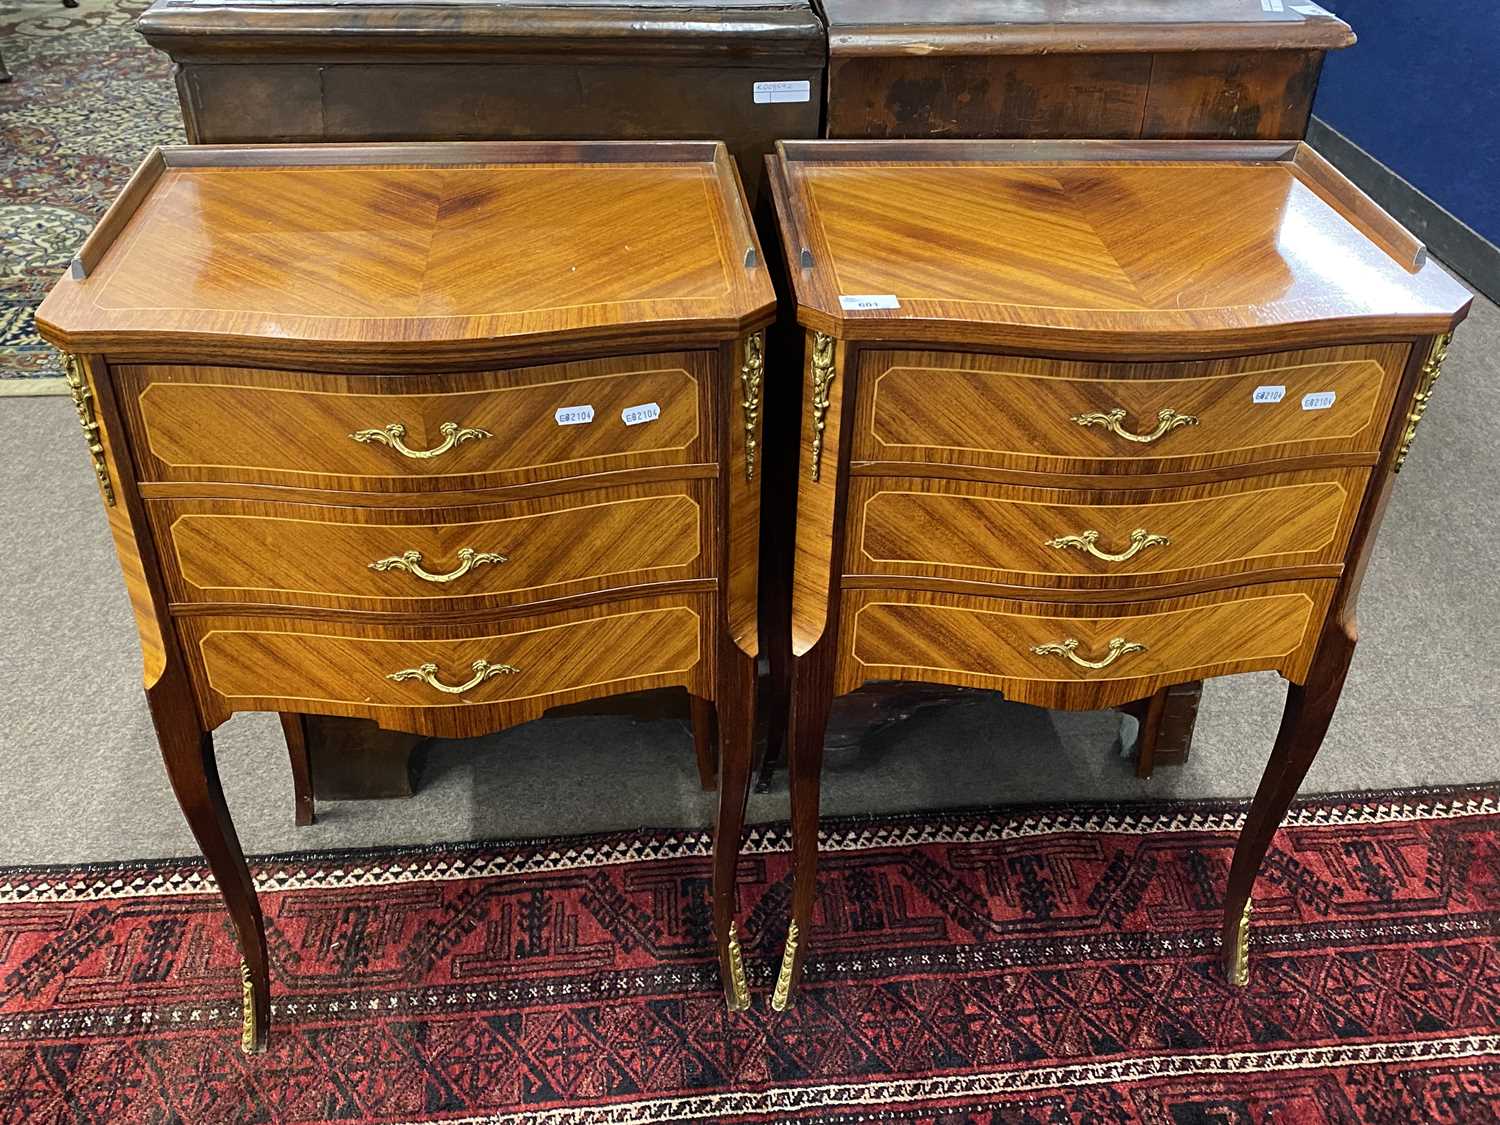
294	727
736	723
811	698
1304	722
188	752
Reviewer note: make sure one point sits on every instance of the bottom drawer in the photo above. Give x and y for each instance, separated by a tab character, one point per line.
453	681
1078	656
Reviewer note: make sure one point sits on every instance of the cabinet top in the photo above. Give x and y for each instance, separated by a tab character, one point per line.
1011	27
453	250
532	27
1102	245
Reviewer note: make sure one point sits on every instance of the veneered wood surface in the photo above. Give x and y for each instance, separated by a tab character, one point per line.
326	667
282	427
1235	531
319	557
987	642
1158	246
378	256
967	27
1016	412
813	566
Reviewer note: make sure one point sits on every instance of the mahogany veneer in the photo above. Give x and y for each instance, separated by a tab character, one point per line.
1084	422
432	436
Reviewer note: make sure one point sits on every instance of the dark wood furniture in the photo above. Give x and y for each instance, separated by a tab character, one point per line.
433	436
1057	68
1086	420
445	70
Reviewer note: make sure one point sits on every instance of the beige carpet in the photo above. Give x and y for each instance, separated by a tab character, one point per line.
83	781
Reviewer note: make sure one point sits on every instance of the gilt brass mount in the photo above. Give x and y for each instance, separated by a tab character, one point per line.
781	997
750	378
822	373
394	436
1140	539
428	674
1113	421
1068	649
1432	367
411	562
248	1029
1239	952
737	983
83	402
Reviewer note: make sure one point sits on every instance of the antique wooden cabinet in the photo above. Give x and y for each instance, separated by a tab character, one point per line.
1056	68
436	436
746	72
1085	420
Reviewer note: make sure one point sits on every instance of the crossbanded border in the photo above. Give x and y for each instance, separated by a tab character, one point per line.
394	866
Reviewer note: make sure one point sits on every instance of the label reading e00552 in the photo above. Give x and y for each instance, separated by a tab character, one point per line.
767	93
1318	400
646	412
574	415
1268	394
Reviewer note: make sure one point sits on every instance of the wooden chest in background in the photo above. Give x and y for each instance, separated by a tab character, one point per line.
1050	68
747	72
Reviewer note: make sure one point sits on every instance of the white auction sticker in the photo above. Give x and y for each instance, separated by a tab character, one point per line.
767	93
1310	10
1318	400
863	301
1270	5
1268	394
646	412
574	415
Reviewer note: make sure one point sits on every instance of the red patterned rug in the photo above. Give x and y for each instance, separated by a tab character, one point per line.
1028	965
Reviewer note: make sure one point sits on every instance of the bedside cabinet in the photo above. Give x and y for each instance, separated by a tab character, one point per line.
1085	420
437	436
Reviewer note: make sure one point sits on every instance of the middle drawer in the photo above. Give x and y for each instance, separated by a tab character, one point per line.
964	532
389	558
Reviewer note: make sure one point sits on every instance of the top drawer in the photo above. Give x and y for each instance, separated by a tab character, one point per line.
416	433
1091	418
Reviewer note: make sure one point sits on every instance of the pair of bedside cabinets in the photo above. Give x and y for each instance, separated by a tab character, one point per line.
444	435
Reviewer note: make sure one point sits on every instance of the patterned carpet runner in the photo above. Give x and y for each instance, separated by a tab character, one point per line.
1028	965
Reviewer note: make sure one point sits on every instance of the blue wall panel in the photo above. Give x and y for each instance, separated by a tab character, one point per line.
1420	92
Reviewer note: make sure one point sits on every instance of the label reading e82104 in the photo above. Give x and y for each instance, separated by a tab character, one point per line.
646	412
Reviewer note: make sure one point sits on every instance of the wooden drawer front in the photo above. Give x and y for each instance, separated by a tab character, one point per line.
532	550
968	532
1019	413
990	643
460	430
280	664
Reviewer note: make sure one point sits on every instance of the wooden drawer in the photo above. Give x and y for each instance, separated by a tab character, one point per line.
463	430
992	643
965	532
499	554
1092	418
529	664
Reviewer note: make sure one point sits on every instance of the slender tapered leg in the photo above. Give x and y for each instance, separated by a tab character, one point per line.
705	741
294	726
735	707
812	698
188	752
1304	722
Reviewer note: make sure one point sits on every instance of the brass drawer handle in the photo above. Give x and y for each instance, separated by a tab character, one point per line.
1140	539
427	673
393	434
1118	647
411	562
1166	420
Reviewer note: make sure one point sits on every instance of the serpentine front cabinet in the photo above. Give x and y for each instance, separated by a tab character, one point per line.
1085	420
434	435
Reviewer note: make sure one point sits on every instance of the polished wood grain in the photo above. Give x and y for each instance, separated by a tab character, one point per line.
521	243
950	530
1022	271
260	664
1020	413
284	427
552	547
818	495
988	643
1167	245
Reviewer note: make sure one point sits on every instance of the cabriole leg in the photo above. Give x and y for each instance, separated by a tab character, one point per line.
705	741
812	697
188	753
1304	721
735	714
